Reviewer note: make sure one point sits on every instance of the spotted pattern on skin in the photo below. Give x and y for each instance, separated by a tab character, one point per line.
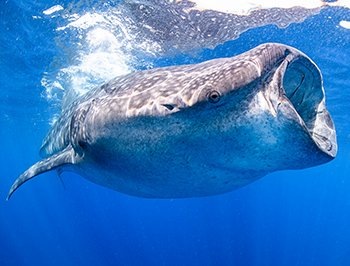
163	91
200	28
161	133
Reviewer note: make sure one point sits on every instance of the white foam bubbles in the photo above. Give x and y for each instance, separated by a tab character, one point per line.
53	9
103	58
84	22
96	55
345	24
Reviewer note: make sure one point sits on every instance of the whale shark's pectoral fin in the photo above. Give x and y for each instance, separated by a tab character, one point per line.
66	156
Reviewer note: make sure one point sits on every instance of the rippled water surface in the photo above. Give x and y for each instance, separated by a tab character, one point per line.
53	51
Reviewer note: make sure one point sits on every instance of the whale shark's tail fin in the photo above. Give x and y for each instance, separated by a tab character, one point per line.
66	156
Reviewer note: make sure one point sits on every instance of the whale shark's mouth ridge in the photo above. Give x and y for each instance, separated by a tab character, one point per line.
303	87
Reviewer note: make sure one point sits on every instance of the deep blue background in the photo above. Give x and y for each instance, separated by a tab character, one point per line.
287	218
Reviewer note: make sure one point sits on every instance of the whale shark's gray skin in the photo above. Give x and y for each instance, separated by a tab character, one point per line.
185	26
196	130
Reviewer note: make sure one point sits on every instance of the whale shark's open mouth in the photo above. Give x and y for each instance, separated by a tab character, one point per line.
303	86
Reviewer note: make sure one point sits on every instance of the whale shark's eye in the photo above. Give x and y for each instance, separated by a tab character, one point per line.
213	96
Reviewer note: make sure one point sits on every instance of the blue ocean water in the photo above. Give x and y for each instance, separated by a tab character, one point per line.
286	218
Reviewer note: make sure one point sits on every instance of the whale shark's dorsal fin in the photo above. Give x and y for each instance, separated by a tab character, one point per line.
66	156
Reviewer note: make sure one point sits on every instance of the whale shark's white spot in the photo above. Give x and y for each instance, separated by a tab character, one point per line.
85	21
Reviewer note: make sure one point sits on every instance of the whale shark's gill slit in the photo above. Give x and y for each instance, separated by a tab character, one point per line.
170	107
301	100
297	88
82	144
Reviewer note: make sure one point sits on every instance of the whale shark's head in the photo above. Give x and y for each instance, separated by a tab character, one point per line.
273	93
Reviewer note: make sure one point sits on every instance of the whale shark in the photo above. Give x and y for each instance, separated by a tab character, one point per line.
195	130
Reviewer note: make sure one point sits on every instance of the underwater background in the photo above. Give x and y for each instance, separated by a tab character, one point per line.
51	51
